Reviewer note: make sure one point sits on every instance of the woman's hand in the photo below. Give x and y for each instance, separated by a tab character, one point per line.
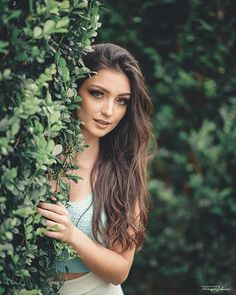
58	217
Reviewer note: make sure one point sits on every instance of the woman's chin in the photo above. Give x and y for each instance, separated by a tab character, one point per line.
95	133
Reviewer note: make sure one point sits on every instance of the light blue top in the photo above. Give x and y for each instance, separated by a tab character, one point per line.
81	213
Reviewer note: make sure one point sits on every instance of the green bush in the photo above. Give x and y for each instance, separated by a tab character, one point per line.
41	43
186	49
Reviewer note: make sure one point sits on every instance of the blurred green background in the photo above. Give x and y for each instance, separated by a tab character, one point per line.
186	49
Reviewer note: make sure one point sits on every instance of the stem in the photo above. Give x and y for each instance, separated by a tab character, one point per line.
31	6
32	178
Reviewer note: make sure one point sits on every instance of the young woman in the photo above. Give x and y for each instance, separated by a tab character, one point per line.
106	219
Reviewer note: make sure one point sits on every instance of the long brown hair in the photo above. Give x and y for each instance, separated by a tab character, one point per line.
121	181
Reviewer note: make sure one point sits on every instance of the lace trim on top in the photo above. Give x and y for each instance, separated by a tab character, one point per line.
81	213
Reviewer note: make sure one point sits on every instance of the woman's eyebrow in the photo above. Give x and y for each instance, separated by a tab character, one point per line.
106	91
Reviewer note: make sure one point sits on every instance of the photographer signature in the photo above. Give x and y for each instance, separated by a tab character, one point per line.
215	288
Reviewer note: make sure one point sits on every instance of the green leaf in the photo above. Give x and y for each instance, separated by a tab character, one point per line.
57	57
65	5
3	44
51	145
39	232
62	23
29	228
15	127
70	92
23	211
74	177
37	32
82	5
9	235
62	62
32	269
48	26
64	186
30	292
66	74
6	73
14	14
57	149
29	220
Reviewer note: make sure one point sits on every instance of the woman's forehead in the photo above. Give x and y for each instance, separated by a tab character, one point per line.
111	80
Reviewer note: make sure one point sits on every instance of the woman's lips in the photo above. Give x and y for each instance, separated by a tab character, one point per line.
102	123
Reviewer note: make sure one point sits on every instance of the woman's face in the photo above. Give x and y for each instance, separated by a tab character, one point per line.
105	97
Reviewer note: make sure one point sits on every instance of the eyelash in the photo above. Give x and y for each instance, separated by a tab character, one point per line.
96	94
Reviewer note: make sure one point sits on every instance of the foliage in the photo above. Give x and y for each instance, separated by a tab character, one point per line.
41	43
186	49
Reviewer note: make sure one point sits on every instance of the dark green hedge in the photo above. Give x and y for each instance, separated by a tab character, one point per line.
41	43
187	52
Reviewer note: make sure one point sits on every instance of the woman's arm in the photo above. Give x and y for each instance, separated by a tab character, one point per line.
106	263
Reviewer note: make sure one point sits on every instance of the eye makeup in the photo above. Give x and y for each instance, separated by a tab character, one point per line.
123	101
98	93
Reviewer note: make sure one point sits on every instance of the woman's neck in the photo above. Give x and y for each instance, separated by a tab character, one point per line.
88	156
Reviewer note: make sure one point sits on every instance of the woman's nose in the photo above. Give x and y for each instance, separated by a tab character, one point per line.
107	109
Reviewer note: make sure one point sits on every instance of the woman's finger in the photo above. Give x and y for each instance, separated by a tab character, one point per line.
50	215
53	234
51	225
61	205
53	207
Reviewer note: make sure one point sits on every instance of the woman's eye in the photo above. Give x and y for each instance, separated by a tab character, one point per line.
96	93
123	101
